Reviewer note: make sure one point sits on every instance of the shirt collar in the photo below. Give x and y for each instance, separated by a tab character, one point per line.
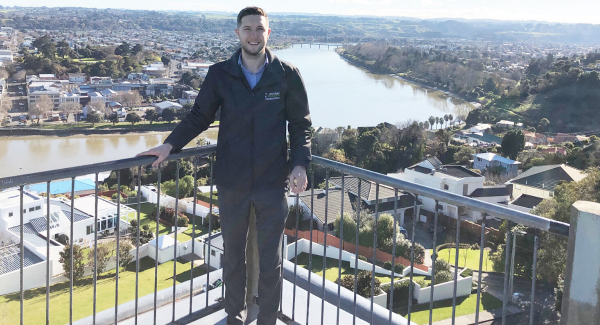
259	70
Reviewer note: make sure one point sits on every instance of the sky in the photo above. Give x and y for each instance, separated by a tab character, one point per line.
573	11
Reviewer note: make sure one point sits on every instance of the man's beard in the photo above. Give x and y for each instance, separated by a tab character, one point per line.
252	53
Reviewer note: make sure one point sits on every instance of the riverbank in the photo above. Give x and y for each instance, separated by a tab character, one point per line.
88	130
365	66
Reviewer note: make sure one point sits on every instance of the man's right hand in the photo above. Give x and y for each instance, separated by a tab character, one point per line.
161	152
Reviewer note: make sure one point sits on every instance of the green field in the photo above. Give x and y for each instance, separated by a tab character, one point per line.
443	309
332	271
35	300
472	258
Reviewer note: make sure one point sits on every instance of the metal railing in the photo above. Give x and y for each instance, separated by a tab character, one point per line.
203	155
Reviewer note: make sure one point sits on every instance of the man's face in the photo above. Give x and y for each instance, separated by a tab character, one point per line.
254	32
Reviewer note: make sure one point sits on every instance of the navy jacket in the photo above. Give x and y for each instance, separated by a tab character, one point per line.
252	145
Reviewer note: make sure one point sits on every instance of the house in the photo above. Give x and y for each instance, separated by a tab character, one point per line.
216	250
481	139
166	250
108	94
540	181
188	97
327	135
453	178
77	78
494	194
563	137
535	138
155	69
166	104
554	150
479	128
525	202
369	199
331	198
487	161
137	76
6	55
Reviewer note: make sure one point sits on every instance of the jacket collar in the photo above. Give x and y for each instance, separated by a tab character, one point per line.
273	72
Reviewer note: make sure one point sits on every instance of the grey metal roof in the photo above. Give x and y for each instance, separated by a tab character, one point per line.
216	241
30	234
78	216
334	203
490	191
527	201
10	258
39	224
547	177
367	188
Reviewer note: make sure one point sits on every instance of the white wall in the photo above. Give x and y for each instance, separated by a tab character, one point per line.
169	201
215	260
334	252
33	276
445	290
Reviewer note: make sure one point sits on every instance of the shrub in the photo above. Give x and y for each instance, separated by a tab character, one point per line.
443	276
441	266
421	283
467	272
475	247
182	220
362	258
398	268
387	265
363	283
400	292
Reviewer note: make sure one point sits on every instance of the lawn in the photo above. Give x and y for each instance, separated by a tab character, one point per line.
472	258
35	299
146	211
443	309
332	271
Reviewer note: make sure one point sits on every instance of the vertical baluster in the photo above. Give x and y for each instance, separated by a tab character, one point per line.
48	253
118	231
412	256
156	242
358	206
340	256
137	241
295	259
326	228
210	208
95	246
193	231
433	259
456	268
534	276
22	253
71	243
391	306
312	192
506	270
481	249
175	247
374	249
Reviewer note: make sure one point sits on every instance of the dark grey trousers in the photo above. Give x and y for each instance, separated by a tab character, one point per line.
271	210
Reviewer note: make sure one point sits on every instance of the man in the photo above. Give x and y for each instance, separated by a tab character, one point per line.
257	94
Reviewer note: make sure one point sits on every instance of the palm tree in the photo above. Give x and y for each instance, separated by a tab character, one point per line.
431	121
426	125
451	119
437	120
446	120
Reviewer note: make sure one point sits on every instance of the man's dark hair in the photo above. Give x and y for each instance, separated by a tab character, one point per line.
251	11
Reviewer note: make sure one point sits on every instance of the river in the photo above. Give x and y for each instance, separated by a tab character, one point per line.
339	93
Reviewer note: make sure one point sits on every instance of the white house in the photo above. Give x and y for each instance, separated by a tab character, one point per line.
540	181
77	78
189	96
166	104
488	160
456	179
166	248
216	250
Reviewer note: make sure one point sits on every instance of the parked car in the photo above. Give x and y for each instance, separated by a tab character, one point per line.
404	232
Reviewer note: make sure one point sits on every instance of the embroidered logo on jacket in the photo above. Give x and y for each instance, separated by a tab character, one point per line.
272	96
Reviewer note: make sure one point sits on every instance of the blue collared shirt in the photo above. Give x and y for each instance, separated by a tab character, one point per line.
253	78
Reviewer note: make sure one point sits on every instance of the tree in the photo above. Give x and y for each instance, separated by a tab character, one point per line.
464	155
43	105
69	107
165	60
431	121
133	118
451	119
151	115
444	137
446	120
349	227
125	256
363	283
103	256
123	49
513	142
426	125
290	221
114	118
129	99
168	114
137	49
78	262
94	117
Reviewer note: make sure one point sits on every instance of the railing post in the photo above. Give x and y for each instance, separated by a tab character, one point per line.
581	296
252	269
